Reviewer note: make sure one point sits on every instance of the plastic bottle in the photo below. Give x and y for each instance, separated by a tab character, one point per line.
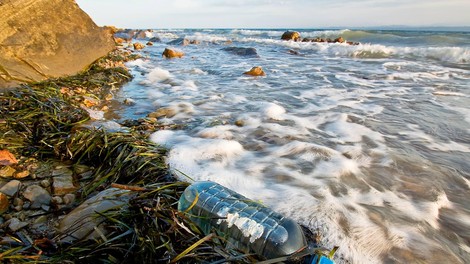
246	224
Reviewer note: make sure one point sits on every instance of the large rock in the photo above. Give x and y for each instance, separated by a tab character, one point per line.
249	52
40	39
291	35
171	53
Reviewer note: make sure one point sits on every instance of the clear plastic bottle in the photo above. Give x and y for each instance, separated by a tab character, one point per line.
248	225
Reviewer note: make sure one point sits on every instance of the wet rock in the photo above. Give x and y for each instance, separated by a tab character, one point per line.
340	40
170	53
37	196
138	46
239	123
155	39
119	41
184	42
15	224
11	188
242	51
7	158
129	101
63	185
291	35
255	71
149	43
293	52
141	34
163	112
7	172
83	221
4	203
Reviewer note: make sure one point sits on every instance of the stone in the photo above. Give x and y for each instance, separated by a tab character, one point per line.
62	171
249	52
129	101
57	200
155	39
7	172
69	198
39	40
255	71
184	42
171	53
11	188
291	35
149	43
37	196
4	203
21	175
45	183
82	222
15	224
7	158
163	112
138	46
340	40
62	185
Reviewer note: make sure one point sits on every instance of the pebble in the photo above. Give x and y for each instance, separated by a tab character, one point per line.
7	172
11	188
57	200
45	183
69	198
15	224
37	196
4	203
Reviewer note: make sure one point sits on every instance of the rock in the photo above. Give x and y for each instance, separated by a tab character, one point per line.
138	46
6	158
242	51
62	185
40	38
293	52
170	53
255	71
155	39
119	41
81	222
291	35
69	198
4	203
184	42
141	34
37	196
45	183
11	188
15	224
340	40
239	123
129	101
21	175
149	43
7	172
57	200
163	112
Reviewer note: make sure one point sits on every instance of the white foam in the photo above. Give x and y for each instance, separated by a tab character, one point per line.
273	111
158	75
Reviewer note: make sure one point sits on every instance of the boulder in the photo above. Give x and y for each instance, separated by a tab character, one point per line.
249	52
171	53
291	35
138	46
255	71
47	38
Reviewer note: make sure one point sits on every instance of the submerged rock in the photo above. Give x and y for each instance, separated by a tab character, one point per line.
242	51
39	40
184	42
83	221
255	71
171	53
291	35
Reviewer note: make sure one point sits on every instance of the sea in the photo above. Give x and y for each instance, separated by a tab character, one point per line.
367	145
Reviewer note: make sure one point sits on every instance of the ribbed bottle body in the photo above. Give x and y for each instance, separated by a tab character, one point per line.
246	224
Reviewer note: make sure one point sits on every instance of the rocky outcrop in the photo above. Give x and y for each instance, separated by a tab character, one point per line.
47	38
291	35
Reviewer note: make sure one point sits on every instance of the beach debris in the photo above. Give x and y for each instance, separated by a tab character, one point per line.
291	35
242	51
172	53
138	46
255	71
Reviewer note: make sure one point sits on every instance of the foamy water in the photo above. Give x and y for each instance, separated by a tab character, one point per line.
368	144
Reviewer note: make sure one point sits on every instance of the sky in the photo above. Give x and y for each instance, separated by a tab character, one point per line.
276	13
